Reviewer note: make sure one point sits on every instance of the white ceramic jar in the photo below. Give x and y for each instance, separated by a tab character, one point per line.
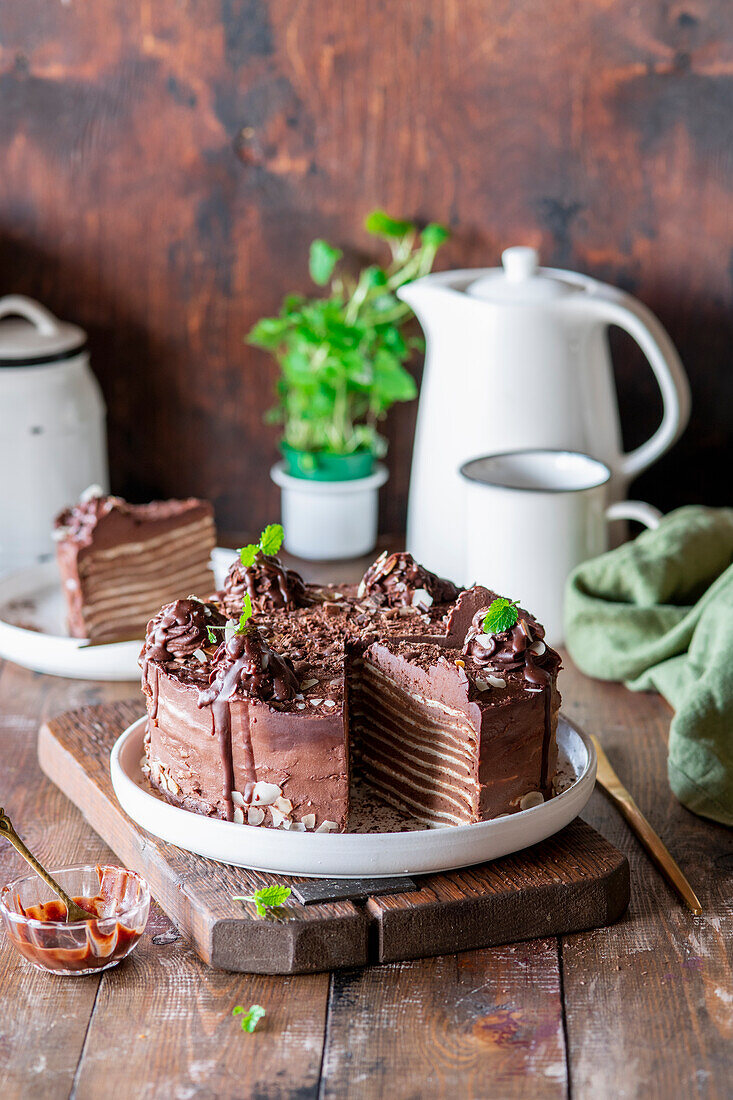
52	427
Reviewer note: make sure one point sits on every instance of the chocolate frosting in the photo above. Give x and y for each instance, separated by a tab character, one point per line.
509	649
76	522
270	586
246	664
180	628
395	578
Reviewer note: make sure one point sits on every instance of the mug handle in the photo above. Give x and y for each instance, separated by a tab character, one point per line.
646	514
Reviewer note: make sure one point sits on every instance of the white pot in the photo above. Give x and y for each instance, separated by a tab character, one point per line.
329	520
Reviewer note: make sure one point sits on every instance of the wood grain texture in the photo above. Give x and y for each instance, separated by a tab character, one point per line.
672	972
486	1023
166	165
571	881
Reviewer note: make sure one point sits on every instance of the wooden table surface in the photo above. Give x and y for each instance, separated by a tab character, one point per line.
641	1009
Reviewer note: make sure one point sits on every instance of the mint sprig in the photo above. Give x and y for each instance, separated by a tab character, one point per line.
250	1016
244	618
502	615
270	542
268	897
246	613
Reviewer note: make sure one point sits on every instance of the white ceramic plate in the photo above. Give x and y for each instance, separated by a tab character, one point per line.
33	631
352	855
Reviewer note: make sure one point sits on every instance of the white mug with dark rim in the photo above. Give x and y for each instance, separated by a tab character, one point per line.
531	517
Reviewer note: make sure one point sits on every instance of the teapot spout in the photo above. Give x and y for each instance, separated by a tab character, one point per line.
440	297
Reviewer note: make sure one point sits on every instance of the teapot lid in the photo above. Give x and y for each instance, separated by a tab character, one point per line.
30	335
519	280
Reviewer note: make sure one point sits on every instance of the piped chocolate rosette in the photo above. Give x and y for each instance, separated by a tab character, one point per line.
244	663
261	575
397	580
182	628
268	584
517	646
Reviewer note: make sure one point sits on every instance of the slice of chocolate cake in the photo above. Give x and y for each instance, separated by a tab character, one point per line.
459	735
119	562
445	710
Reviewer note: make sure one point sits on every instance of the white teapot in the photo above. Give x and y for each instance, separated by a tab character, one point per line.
518	357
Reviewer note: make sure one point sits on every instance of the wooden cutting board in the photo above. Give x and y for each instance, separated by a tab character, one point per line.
573	881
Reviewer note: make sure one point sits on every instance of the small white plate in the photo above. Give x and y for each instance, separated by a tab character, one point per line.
33	630
352	855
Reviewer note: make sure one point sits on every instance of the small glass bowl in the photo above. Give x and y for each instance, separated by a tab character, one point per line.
121	897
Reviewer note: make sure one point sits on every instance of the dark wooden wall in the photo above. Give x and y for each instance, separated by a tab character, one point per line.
165	164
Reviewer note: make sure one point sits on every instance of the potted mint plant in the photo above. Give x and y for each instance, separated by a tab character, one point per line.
342	359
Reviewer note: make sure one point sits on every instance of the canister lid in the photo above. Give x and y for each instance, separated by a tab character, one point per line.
30	335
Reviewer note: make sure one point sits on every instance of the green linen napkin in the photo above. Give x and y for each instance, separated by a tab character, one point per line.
657	613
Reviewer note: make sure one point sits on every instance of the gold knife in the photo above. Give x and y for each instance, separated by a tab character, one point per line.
614	788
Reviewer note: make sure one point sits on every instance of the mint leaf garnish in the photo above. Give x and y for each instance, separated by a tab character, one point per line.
211	635
271	538
268	897
246	613
502	615
270	542
247	554
250	1016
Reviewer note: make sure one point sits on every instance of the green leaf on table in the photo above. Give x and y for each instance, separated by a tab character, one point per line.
271	538
323	259
268	897
502	615
250	1016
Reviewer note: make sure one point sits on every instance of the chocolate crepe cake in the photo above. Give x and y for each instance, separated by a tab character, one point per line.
266	720
119	562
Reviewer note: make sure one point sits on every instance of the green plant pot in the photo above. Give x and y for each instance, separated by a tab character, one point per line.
323	466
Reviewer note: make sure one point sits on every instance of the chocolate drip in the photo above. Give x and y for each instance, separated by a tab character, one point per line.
268	583
394	579
180	628
512	649
154	688
245	664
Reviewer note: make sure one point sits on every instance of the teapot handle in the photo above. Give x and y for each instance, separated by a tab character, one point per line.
654	341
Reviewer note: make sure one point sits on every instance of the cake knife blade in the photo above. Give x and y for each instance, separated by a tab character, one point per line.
608	780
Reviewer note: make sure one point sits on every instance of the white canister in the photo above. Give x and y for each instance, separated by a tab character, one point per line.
329	520
532	516
52	427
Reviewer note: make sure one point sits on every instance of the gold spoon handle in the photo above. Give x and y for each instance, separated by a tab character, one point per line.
74	912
